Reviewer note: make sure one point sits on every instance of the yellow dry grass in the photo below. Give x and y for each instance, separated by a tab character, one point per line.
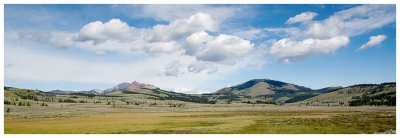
209	122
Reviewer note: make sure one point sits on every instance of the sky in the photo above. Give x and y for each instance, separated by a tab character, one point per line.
197	48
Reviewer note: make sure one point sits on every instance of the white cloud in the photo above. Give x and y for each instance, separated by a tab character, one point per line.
302	17
183	27
117	36
201	53
373	41
288	49
353	21
99	32
217	48
330	34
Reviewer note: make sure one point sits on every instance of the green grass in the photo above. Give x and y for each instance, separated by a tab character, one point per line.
252	122
344	123
141	116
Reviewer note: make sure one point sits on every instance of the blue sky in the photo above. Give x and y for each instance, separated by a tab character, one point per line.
197	48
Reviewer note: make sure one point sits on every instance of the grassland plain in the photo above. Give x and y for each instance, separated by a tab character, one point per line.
262	120
31	112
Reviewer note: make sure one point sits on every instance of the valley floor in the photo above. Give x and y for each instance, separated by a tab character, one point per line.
199	119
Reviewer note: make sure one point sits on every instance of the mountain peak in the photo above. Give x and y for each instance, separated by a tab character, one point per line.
125	86
258	87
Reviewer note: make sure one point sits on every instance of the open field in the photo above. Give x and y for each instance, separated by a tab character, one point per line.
31	112
261	120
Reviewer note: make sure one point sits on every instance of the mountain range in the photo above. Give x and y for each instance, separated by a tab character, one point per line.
264	91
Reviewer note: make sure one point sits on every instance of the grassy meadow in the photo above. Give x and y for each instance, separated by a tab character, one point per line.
141	114
210	122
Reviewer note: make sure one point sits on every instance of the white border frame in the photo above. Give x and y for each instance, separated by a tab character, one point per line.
192	2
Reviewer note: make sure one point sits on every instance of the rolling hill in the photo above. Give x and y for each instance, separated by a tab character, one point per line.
259	87
277	92
362	94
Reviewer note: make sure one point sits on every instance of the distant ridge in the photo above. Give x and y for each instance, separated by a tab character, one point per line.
259	91
120	87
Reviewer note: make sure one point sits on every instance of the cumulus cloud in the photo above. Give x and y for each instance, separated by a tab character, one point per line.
99	32
187	37
302	17
288	49
189	34
373	41
330	34
183	27
116	35
158	39
216	48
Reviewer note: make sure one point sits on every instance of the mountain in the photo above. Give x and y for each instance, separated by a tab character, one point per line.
260	87
362	94
277	92
257	91
134	86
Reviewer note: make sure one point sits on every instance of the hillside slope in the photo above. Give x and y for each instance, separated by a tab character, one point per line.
363	94
259	87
